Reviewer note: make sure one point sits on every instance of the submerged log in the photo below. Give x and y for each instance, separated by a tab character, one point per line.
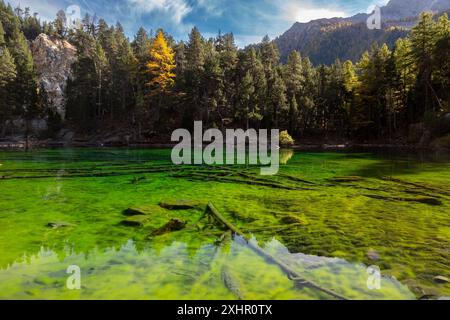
231	179
295	179
171	204
424	200
144	210
346	179
292	274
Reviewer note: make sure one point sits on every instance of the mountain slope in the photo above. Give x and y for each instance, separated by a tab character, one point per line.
326	40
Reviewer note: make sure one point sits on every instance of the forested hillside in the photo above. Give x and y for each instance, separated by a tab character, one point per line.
152	84
326	40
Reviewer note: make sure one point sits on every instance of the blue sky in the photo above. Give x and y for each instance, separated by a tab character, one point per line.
249	20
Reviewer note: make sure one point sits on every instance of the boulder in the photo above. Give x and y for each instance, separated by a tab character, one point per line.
136	221
171	226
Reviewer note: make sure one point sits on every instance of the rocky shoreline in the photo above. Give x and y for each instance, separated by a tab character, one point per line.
48	144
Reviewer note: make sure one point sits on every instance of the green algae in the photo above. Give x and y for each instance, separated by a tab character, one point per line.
333	225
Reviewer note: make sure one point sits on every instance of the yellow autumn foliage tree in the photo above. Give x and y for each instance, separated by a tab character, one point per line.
161	64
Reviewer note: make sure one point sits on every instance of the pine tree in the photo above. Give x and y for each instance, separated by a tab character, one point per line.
60	23
308	94
405	76
31	26
350	83
441	58
7	77
293	75
194	76
270	55
7	67
277	99
25	87
141	46
244	111
213	84
83	87
423	39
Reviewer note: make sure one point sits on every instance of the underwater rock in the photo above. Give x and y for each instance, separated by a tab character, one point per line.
59	224
181	204
441	279
143	210
136	221
172	225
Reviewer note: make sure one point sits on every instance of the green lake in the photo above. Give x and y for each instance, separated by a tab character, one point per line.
326	215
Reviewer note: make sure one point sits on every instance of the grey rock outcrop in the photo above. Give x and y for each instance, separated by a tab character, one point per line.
53	58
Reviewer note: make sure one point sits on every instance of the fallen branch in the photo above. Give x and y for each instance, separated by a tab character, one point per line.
292	274
424	200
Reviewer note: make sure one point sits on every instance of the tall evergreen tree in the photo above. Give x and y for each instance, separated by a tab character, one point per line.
293	75
423	39
194	75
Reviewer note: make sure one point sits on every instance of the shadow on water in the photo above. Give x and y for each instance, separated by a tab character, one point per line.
389	161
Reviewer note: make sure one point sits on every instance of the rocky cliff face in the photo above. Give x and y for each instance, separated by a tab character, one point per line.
53	59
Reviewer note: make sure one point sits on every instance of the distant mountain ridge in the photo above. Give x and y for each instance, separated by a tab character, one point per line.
325	40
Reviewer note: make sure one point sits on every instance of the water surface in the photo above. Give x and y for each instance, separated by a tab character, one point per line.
327	215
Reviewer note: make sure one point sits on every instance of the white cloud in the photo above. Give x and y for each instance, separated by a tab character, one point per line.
175	9
306	10
46	10
306	15
212	7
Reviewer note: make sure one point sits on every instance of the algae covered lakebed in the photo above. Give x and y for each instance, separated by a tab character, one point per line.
136	226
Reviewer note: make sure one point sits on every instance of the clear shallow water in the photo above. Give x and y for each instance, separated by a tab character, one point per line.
327	227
